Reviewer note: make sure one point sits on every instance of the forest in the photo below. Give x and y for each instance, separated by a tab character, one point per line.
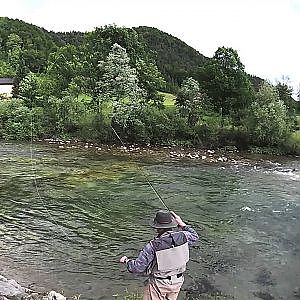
148	85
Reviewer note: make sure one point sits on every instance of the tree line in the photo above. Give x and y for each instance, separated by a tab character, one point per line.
79	85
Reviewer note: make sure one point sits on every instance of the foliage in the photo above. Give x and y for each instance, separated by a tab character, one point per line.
119	79
13	48
151	80
97	45
175	59
119	83
6	69
189	100
65	114
15	120
267	119
169	99
285	92
63	38
63	66
79	84
292	144
19	39
226	83
28	90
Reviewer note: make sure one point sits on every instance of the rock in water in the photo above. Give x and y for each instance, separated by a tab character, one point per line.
297	292
11	289
55	296
264	295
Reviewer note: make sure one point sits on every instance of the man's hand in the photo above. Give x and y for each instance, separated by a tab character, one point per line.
178	219
124	259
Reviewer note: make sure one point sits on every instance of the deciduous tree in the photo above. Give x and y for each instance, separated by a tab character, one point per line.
119	84
267	120
226	83
190	99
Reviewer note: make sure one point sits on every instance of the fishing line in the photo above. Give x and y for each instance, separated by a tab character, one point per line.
145	175
33	169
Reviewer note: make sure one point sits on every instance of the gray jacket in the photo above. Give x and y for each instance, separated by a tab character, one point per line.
146	262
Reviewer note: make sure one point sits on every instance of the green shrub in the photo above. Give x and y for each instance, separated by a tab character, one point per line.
18	122
15	120
292	144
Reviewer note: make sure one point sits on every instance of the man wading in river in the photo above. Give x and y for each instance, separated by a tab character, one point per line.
164	258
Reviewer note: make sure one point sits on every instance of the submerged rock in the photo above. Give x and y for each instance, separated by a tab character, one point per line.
11	289
297	292
203	286
264	277
55	296
264	295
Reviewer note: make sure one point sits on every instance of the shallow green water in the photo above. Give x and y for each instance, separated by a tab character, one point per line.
67	216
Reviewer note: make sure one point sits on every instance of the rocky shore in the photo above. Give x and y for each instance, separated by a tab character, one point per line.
167	152
11	290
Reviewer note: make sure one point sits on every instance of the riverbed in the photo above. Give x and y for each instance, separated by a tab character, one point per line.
67	215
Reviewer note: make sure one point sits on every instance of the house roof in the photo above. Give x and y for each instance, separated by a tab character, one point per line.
6	80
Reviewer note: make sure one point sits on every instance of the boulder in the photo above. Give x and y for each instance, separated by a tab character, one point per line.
11	289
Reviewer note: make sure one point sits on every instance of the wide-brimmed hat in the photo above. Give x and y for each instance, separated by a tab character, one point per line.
163	219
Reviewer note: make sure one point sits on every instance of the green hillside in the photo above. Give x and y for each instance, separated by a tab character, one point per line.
175	59
20	40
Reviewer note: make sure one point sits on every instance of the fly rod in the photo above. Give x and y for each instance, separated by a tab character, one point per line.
145	175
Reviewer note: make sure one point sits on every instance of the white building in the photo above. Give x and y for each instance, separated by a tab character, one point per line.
6	86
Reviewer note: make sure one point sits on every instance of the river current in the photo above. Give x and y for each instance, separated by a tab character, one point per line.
66	216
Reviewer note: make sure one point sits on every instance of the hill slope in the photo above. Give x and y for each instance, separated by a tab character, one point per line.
35	42
175	59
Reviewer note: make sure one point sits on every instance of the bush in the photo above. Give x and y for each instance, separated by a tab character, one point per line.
156	126
292	144
267	119
18	122
15	120
206	131
238	137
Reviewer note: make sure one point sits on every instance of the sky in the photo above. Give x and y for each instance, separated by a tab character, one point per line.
265	33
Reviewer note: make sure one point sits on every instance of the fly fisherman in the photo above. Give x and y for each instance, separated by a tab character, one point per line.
164	258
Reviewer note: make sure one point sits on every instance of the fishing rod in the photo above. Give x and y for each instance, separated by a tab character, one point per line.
145	175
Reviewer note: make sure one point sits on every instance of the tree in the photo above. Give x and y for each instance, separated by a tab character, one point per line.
98	44
28	90
151	80
63	66
65	113
267	118
6	70
226	83
285	92
119	84
190	99
14	50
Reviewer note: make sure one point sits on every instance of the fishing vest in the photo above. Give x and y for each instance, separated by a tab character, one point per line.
171	254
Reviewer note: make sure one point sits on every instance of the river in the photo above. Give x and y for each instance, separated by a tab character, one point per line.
67	215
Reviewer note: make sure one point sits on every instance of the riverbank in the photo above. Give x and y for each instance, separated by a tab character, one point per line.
12	290
228	154
222	157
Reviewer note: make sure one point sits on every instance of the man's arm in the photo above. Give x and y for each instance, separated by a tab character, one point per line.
141	263
190	233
